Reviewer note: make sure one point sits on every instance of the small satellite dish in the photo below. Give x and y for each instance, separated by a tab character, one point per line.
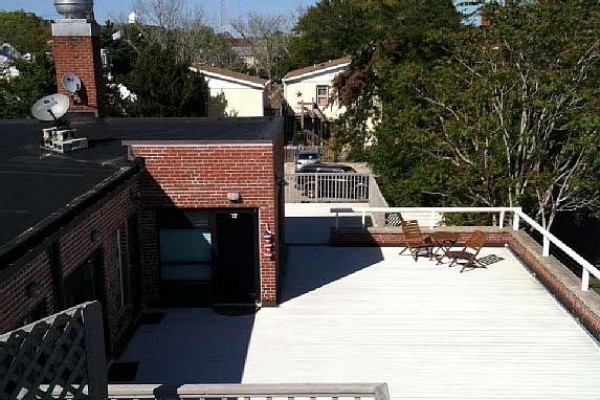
51	108
71	82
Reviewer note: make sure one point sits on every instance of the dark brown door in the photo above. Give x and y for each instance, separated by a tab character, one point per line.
236	270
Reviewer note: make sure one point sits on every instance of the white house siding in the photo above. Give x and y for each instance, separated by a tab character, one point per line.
303	88
234	99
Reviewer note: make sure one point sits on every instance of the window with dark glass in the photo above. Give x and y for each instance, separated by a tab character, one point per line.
322	96
186	254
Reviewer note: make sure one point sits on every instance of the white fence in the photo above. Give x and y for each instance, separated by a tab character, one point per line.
341	188
501	213
358	391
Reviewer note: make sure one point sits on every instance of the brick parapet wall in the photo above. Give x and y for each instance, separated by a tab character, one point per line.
106	216
393	236
559	280
199	177
555	276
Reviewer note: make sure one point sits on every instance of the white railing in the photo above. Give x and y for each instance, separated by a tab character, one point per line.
344	187
517	213
374	391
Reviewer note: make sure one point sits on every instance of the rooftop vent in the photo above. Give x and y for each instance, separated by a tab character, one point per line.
75	9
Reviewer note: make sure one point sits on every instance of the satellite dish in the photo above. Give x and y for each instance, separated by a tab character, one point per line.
51	108
71	82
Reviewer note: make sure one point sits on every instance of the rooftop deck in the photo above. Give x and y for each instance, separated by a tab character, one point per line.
368	314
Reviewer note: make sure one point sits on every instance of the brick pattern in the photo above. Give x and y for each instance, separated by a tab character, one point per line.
81	56
196	177
75	248
14	302
395	237
530	253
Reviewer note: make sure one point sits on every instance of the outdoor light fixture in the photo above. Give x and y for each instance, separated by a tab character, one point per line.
32	290
94	235
233	196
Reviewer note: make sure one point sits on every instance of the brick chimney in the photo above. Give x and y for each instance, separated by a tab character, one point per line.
76	49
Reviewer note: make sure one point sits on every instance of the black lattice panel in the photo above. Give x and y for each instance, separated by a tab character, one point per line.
393	219
51	359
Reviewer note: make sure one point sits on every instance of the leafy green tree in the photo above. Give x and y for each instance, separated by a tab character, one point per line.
503	115
165	87
27	32
36	79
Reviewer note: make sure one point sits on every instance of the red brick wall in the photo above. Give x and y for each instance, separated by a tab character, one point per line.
81	56
14	303
395	237
569	298
200	176
75	247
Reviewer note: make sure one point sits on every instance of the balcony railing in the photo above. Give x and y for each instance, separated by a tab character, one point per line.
435	214
340	188
374	391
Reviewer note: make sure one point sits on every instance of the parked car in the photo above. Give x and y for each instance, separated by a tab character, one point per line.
332	181
305	158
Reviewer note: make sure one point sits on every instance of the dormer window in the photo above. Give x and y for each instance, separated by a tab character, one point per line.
322	96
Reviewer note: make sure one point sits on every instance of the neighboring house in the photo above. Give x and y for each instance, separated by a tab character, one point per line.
233	94
307	89
241	47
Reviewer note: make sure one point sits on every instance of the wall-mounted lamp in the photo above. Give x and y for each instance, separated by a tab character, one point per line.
94	235
234	197
32	290
135	195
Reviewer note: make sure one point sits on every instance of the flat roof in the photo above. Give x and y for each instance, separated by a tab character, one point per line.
38	184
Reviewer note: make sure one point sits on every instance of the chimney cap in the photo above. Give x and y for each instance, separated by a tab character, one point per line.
75	9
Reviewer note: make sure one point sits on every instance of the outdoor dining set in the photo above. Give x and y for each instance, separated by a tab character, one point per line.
438	245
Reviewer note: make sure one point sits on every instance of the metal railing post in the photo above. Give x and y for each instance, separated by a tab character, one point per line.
516	221
585	280
546	247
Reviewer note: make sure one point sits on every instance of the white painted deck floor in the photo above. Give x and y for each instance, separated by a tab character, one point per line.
371	315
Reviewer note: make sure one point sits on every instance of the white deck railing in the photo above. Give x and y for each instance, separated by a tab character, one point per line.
341	188
517	216
374	391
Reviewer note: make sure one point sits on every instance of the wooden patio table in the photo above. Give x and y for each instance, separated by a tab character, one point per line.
443	241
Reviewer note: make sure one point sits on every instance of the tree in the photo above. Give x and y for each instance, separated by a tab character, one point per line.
329	30
268	37
36	79
25	31
505	115
165	87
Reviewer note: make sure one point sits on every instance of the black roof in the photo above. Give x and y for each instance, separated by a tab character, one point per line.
37	184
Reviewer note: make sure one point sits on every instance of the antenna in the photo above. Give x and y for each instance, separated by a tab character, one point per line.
71	82
222	16
51	108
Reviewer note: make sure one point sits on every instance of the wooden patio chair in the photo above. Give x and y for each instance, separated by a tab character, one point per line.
469	253
414	240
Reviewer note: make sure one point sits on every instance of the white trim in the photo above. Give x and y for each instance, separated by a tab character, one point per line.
119	265
315	72
229	78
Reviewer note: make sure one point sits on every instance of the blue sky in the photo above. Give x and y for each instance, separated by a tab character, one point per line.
105	9
117	9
